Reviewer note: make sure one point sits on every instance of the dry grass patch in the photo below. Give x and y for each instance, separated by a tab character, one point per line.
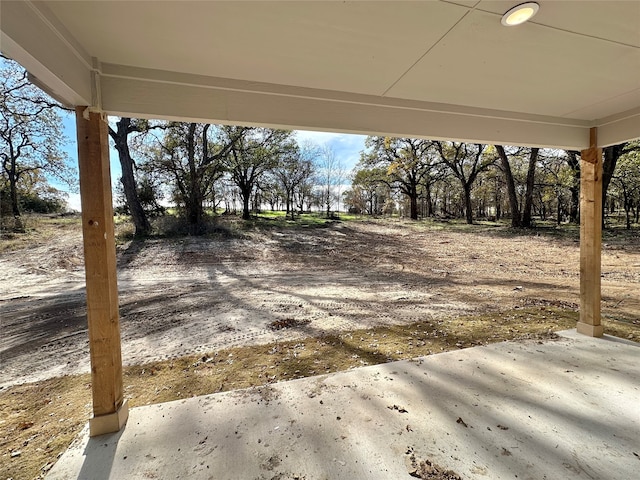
40	420
39	230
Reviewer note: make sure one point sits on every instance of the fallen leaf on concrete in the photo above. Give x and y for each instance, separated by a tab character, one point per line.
399	409
427	470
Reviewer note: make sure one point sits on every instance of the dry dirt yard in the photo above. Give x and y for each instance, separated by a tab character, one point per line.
252	305
188	295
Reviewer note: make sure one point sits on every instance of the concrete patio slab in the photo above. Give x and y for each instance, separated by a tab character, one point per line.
561	409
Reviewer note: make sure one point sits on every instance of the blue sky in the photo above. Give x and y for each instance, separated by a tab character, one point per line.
346	147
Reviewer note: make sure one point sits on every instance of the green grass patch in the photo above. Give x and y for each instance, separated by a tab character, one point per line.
279	220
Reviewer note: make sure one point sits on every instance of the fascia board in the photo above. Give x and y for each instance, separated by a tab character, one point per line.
32	39
619	128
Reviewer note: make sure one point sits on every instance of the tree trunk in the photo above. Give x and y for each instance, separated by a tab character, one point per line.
627	207
528	197
467	203
328	202
496	199
511	188
138	215
290	205
246	211
13	183
13	191
574	164
413	210
610	160
429	200
195	211
245	194
559	212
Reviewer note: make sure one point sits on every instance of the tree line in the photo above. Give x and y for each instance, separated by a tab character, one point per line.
426	178
204	169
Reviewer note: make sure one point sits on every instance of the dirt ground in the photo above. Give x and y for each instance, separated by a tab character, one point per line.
182	296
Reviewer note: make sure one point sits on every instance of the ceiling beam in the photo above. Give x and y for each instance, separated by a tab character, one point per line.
138	92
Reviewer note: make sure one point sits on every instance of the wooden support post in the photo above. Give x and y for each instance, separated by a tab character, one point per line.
590	238
110	411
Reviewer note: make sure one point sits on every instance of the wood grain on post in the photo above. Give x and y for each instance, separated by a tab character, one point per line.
109	407
590	238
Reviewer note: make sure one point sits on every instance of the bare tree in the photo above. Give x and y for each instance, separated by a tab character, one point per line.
30	133
120	136
573	161
530	184
252	152
626	180
408	162
610	160
516	220
293	170
519	218
330	177
193	163
465	161
369	190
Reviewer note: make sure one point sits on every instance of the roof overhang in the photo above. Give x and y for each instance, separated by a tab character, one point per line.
74	51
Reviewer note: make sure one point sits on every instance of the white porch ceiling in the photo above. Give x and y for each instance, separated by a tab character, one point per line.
436	69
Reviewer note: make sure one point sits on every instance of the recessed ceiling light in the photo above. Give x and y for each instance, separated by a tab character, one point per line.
519	14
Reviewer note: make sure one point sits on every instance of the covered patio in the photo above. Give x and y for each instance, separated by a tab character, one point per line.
526	410
567	79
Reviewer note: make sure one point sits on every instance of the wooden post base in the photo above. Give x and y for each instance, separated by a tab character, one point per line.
109	423
590	330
